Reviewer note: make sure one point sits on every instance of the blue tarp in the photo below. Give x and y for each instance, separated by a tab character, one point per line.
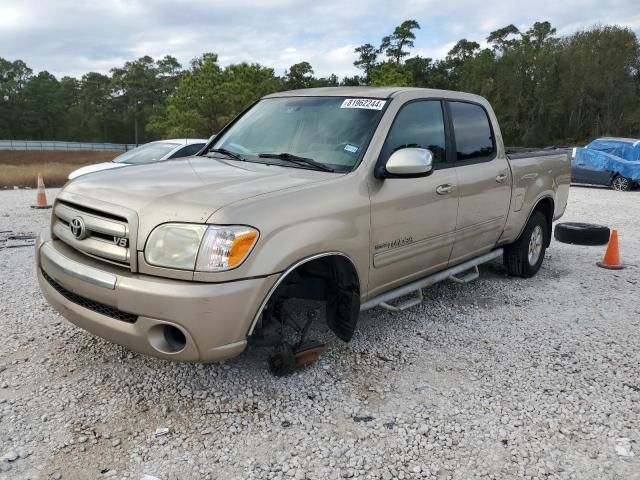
615	155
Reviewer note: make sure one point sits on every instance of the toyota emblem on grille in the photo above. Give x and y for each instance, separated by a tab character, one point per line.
78	228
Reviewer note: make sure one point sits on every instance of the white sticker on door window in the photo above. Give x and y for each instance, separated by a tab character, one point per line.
366	103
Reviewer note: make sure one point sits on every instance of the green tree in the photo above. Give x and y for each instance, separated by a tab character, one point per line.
100	118
14	75
478	74
194	108
208	97
390	74
420	70
463	50
502	38
141	87
40	107
540	33
458	56
69	125
366	61
545	89
354	81
394	46
299	75
243	84
599	88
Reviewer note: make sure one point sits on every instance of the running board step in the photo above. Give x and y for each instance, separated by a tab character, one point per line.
463	273
401	307
470	276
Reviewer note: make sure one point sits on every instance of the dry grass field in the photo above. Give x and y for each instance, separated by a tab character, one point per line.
21	168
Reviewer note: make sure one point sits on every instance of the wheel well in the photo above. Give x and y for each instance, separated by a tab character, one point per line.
618	174
331	278
613	176
546	206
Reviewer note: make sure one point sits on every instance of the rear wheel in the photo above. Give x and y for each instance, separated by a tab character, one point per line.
524	257
622	184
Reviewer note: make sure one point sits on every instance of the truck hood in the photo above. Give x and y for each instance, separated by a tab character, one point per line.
185	190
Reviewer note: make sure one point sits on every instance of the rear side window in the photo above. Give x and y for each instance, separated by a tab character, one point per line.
188	151
472	129
418	124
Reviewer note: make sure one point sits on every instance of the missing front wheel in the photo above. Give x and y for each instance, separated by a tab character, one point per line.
288	337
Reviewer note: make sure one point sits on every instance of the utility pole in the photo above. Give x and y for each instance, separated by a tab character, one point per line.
135	121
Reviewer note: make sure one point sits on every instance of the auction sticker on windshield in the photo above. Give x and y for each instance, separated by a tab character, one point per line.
367	103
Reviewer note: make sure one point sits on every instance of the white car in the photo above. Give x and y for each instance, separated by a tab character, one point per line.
147	153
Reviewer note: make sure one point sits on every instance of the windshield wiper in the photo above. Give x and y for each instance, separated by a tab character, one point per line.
228	153
290	157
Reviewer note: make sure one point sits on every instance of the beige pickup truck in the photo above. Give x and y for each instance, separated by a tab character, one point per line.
353	196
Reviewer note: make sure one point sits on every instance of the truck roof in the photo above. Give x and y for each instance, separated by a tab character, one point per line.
369	92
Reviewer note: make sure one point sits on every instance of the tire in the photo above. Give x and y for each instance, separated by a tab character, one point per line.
524	257
582	233
622	184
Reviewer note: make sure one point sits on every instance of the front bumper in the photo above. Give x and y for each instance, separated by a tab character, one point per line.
213	318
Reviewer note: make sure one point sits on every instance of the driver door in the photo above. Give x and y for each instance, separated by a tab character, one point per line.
413	220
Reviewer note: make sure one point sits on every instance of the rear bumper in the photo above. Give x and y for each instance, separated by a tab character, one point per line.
213	318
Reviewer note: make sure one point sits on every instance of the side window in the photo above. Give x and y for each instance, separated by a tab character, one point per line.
194	148
418	124
188	150
472	130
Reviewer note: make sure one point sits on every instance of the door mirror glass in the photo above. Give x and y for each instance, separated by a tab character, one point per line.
410	162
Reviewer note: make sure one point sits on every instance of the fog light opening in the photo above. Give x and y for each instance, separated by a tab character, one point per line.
174	338
167	339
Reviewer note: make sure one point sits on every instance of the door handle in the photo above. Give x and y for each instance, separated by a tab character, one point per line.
444	189
501	178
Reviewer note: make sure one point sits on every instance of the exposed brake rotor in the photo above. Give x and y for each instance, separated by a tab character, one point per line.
308	353
286	357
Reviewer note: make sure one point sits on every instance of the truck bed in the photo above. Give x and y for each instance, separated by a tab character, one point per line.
515	153
536	173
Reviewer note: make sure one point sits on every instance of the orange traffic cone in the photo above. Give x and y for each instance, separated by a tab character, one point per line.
611	258
41	197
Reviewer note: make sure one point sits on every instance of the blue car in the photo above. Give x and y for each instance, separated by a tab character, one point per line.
613	162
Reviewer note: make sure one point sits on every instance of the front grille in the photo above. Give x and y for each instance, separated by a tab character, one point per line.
106	236
92	305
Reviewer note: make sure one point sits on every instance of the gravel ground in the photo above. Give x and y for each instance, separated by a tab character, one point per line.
503	378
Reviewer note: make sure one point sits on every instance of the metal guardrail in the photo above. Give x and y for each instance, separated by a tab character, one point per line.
64	146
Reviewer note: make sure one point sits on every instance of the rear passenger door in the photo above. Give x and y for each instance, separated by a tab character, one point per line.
484	181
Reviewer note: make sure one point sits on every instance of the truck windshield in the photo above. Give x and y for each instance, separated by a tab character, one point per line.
330	130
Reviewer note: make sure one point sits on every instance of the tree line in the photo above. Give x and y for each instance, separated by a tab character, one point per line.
546	89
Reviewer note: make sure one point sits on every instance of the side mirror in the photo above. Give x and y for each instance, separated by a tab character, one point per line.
410	163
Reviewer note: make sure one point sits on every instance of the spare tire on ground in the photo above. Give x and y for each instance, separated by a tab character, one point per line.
581	233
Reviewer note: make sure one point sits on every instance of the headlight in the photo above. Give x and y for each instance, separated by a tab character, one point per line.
199	247
224	248
174	245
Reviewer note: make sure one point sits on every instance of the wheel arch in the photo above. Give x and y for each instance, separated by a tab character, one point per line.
342	262
546	205
616	175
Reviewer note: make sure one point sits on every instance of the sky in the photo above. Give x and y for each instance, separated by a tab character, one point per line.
72	37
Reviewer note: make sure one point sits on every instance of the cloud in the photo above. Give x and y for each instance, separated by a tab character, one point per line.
67	37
